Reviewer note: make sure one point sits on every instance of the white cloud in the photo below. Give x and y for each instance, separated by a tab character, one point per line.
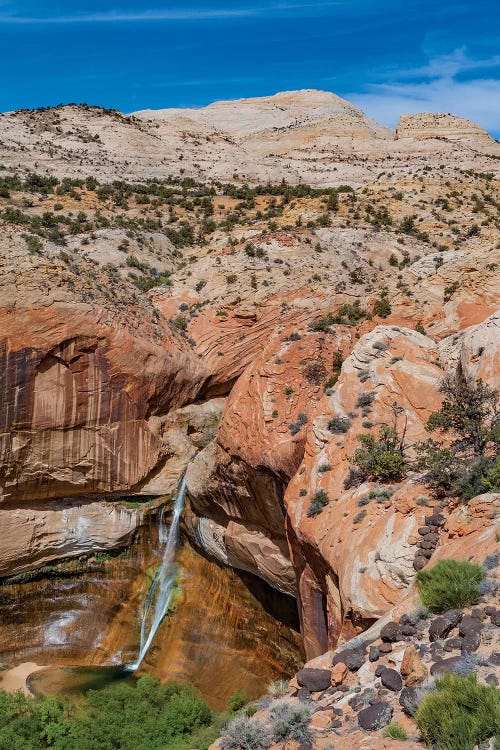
477	99
186	14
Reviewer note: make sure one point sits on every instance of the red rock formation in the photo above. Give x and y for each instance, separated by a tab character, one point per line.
80	399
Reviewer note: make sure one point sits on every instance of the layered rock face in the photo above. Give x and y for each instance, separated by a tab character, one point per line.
438	125
355	559
79	404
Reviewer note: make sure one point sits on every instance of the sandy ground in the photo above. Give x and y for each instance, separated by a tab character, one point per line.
15	678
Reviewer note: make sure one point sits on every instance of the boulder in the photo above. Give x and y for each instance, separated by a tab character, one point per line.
352	658
445	666
408	700
376	716
391	680
470	625
339	673
437	519
419	562
413	668
440	627
391	633
453	644
315	680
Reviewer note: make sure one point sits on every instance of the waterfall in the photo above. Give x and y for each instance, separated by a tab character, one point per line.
163	586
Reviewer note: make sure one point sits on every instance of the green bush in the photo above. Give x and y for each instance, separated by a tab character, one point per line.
147	716
382	307
237	701
396	732
381	459
450	584
459	713
469	465
491	482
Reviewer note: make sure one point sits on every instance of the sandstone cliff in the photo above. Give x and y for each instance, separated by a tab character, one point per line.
438	125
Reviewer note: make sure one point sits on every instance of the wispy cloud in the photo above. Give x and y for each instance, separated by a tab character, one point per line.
446	84
174	14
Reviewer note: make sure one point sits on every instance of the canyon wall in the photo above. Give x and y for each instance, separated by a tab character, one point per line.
247	333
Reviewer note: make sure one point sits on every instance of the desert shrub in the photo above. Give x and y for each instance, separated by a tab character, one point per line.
382	307
354	478
469	663
318	502
237	701
246	733
289	720
278	689
441	465
396	732
470	409
478	477
347	315
381	459
339	425
295	427
380	494
315	372
450	584
359	517
179	322
33	243
459	713
365	399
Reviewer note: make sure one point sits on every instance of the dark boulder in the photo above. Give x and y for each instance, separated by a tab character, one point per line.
315	680
453	644
445	666
409	630
419	562
391	633
376	716
454	615
439	628
425	545
470	626
351	657
437	519
408	700
391	680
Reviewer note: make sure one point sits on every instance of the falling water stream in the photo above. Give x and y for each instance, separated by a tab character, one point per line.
163	587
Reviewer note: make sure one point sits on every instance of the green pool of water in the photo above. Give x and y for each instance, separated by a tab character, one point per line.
77	681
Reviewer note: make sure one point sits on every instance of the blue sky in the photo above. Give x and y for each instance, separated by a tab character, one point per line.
387	56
